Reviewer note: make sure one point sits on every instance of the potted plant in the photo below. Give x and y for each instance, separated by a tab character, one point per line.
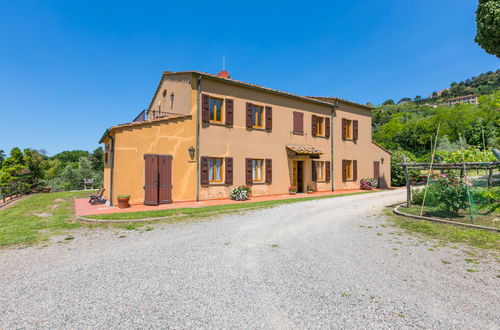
241	193
310	190
292	190
123	201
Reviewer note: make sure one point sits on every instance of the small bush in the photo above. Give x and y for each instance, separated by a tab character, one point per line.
451	192
241	193
487	196
417	197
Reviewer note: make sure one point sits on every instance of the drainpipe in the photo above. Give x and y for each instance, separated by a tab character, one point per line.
198	84
332	161
112	165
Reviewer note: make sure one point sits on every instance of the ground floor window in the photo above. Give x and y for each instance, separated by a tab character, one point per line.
257	172
348	170
320	171
215	170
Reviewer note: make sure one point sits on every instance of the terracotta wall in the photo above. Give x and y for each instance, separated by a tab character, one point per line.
182	100
362	150
160	137
238	142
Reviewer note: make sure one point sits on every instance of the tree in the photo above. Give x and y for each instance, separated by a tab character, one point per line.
97	160
2	157
71	156
388	102
404	99
488	26
418	98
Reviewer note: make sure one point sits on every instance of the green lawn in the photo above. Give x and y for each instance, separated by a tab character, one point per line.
209	209
36	218
447	233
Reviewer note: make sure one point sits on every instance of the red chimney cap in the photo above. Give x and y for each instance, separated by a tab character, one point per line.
224	74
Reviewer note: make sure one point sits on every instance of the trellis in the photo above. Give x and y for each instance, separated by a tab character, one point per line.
463	167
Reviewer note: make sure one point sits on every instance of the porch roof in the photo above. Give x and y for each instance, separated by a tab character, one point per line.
303	149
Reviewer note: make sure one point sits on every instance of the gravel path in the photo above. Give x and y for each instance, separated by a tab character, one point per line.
330	263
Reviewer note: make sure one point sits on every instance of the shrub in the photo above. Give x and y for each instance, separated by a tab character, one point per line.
241	193
397	173
487	196
450	192
417	197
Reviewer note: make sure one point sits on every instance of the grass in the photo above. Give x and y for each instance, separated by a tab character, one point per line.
485	215
448	233
20	224
206	210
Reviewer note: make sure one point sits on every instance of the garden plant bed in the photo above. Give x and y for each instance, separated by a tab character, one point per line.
487	216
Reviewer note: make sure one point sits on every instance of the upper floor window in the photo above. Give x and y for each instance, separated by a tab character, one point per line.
320	126
257	111
215	110
215	170
348	129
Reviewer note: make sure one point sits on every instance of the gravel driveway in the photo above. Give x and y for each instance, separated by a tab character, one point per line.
330	263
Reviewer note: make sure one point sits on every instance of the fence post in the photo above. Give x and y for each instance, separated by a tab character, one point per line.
408	189
490	178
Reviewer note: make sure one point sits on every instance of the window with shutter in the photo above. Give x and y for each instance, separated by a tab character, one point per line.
248	171
215	106
314	174
269	171
355	170
269	118
204	170
229	112
327	171
327	127
344	177
229	170
205	108
355	130
314	128
298	122
344	134
249	115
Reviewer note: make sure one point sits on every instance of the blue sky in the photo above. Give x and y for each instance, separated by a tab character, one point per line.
70	69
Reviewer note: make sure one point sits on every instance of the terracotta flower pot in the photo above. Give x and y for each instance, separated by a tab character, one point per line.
292	192
310	191
123	202
366	188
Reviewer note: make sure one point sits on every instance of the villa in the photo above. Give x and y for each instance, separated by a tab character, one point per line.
204	134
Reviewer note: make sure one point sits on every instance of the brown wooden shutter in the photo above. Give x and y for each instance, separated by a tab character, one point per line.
229	170
314	176
327	171
269	171
344	163
355	170
229	112
204	170
150	179
165	180
376	170
249	115
205	108
248	171
355	130
327	127
298	122
269	118
344	129
314	123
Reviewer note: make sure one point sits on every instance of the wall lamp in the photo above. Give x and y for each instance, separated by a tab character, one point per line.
191	152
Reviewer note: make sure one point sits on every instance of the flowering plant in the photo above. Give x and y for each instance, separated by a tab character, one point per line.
450	192
310	189
292	190
241	193
368	183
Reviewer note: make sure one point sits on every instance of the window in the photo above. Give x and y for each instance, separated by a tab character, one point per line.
106	153
348	170
257	175
320	126
257	111
215	110
320	171
215	170
348	129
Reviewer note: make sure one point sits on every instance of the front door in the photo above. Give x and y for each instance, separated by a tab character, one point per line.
298	175
376	171
157	179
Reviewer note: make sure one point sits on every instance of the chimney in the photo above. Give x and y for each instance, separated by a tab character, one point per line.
224	74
